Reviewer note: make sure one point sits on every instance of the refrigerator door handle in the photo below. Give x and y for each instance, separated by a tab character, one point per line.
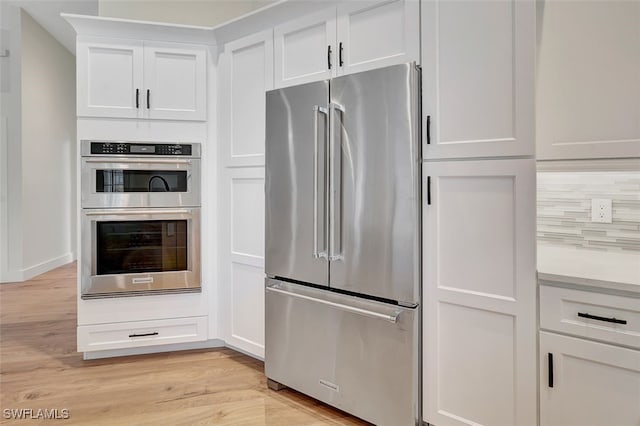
335	185
317	110
393	318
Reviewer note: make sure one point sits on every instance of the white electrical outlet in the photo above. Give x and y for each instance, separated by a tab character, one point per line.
601	210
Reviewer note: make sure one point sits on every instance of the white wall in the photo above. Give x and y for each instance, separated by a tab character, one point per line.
48	149
10	148
188	12
37	173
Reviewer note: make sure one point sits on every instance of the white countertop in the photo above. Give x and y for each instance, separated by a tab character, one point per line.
605	270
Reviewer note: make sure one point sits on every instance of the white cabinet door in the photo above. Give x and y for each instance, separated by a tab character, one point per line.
478	75
479	293
377	34
305	49
109	78
175	81
588	95
246	74
584	383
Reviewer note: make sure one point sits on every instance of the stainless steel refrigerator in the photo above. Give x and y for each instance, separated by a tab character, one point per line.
343	240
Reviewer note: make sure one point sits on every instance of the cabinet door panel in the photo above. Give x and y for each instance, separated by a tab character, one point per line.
109	72
302	49
478	78
177	82
248	75
479	292
375	34
593	383
589	80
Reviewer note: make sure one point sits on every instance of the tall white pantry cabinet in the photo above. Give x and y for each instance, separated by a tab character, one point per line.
479	288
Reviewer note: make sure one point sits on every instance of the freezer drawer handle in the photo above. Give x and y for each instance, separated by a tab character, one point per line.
599	318
391	318
134	211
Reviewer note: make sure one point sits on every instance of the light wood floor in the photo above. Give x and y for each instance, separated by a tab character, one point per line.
40	369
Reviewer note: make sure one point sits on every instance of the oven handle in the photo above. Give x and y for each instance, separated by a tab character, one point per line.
135	211
136	160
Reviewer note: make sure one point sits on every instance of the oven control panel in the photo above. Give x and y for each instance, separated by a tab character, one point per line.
129	148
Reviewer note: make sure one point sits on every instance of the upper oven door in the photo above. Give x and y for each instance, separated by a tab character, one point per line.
112	182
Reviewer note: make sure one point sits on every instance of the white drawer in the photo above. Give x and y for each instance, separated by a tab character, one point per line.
141	333
605	317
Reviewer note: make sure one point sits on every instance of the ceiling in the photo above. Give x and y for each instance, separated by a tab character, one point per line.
47	14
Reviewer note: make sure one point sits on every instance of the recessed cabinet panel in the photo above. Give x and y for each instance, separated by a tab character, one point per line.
108	76
487	252
247	325
478	78
377	34
594	384
479	292
176	81
471	363
305	49
247	216
589	80
251	75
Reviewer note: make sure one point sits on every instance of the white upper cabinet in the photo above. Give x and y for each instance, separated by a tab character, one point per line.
377	34
478	77
588	98
479	293
305	49
109	78
349	38
135	79
175	82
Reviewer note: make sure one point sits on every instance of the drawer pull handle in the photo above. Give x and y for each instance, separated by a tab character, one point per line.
155	333
599	318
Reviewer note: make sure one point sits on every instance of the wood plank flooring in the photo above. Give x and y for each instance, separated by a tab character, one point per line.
40	369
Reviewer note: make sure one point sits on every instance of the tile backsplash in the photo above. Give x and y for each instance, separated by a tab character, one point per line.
564	210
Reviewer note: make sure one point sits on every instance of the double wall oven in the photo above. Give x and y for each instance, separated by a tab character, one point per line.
140	218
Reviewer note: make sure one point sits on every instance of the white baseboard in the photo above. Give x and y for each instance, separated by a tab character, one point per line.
208	344
46	266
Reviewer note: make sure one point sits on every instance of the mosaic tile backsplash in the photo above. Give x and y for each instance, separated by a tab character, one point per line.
564	210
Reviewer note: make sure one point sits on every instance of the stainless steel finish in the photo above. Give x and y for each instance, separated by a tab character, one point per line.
335	185
366	366
137	160
92	199
130	212
290	210
92	162
85	149
316	109
117	285
376	209
393	317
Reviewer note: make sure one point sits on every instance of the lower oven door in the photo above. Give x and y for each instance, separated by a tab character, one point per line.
130	252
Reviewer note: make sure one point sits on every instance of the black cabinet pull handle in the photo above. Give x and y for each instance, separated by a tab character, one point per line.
429	190
137	98
148	102
341	62
329	56
599	318
550	361
428	129
155	333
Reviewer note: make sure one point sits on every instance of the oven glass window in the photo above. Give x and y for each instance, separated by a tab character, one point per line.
141	181
141	246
